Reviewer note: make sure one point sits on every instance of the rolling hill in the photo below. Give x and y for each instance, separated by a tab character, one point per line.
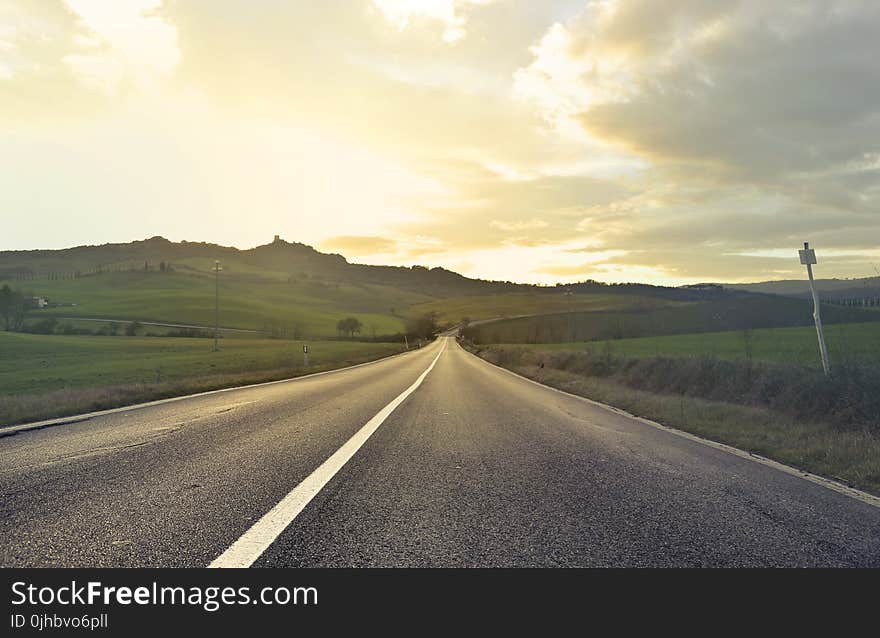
290	285
831	288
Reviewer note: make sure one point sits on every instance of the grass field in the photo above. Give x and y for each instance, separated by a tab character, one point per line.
847	344
476	307
52	375
40	363
728	314
245	302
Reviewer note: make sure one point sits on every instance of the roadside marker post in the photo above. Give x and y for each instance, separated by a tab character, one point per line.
306	355
808	258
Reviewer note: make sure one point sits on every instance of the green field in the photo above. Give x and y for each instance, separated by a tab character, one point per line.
245	302
476	307
847	343
39	363
727	314
43	376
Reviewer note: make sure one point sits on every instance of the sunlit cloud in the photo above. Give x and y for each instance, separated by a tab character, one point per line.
122	39
449	13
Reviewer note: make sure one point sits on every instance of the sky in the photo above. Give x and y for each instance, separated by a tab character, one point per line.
554	141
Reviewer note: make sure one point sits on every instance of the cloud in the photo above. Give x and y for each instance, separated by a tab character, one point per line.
532	224
64	46
449	13
123	39
751	90
357	245
759	122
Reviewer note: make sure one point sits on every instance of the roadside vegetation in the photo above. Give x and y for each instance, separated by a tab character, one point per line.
753	389
47	376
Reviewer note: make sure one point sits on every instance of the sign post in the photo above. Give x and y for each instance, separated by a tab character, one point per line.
306	355
808	258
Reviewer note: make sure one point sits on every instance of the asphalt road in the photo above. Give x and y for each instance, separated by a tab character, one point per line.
475	467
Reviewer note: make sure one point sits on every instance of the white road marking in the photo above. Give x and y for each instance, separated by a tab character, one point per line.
255	541
828	483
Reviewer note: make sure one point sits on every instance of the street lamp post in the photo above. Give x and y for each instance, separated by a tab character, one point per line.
568	293
808	258
217	269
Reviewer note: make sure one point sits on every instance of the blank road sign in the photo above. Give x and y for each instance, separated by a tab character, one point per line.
808	256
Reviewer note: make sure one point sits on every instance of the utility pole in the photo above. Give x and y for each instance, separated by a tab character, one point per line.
808	258
217	269
567	295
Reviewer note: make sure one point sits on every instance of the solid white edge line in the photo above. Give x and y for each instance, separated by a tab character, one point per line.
7	430
251	545
828	483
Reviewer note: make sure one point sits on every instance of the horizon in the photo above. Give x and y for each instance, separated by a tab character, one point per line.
619	141
412	265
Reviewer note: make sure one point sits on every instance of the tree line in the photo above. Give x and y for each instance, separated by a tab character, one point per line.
855	302
100	269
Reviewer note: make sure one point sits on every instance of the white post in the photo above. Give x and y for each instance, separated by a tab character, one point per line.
406	342
808	258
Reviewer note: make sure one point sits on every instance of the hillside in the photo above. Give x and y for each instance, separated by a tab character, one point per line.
278	260
281	286
801	287
289	288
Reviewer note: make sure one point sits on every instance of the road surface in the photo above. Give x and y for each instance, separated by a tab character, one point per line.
459	464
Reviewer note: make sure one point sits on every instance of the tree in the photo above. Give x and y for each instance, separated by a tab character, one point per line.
349	326
422	327
12	307
6	303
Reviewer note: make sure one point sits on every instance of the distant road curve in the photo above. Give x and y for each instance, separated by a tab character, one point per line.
164	325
